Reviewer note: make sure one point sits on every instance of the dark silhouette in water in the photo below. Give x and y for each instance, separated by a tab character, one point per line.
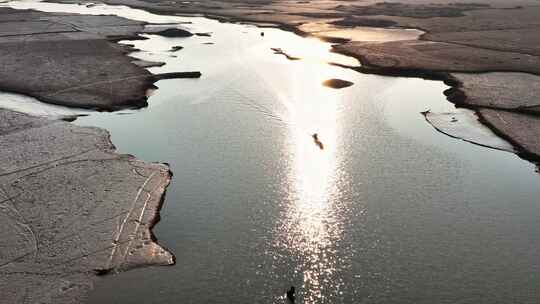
281	52
317	141
290	294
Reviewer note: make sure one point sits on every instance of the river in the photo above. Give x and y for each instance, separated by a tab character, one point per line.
390	211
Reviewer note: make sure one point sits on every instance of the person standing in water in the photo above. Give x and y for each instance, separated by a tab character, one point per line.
317	141
290	294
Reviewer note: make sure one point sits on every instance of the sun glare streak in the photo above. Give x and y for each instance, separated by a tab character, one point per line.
311	224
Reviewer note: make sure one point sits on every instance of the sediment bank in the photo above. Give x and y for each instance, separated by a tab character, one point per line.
72	60
71	207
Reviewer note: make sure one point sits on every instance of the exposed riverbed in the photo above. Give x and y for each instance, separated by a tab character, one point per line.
390	211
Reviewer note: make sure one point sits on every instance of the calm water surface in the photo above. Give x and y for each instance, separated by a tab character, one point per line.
389	212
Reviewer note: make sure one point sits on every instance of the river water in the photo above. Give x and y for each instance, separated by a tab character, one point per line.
390	211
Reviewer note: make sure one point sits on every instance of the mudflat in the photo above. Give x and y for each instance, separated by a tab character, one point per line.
71	208
63	60
72	60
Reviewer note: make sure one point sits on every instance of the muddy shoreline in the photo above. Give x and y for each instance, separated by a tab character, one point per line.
72	208
98	74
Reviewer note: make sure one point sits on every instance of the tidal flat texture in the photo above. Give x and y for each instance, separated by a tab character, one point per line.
70	209
69	60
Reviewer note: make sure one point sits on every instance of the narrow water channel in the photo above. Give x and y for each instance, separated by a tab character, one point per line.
390	211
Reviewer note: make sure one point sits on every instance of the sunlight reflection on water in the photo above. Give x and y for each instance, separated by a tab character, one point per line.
312	222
